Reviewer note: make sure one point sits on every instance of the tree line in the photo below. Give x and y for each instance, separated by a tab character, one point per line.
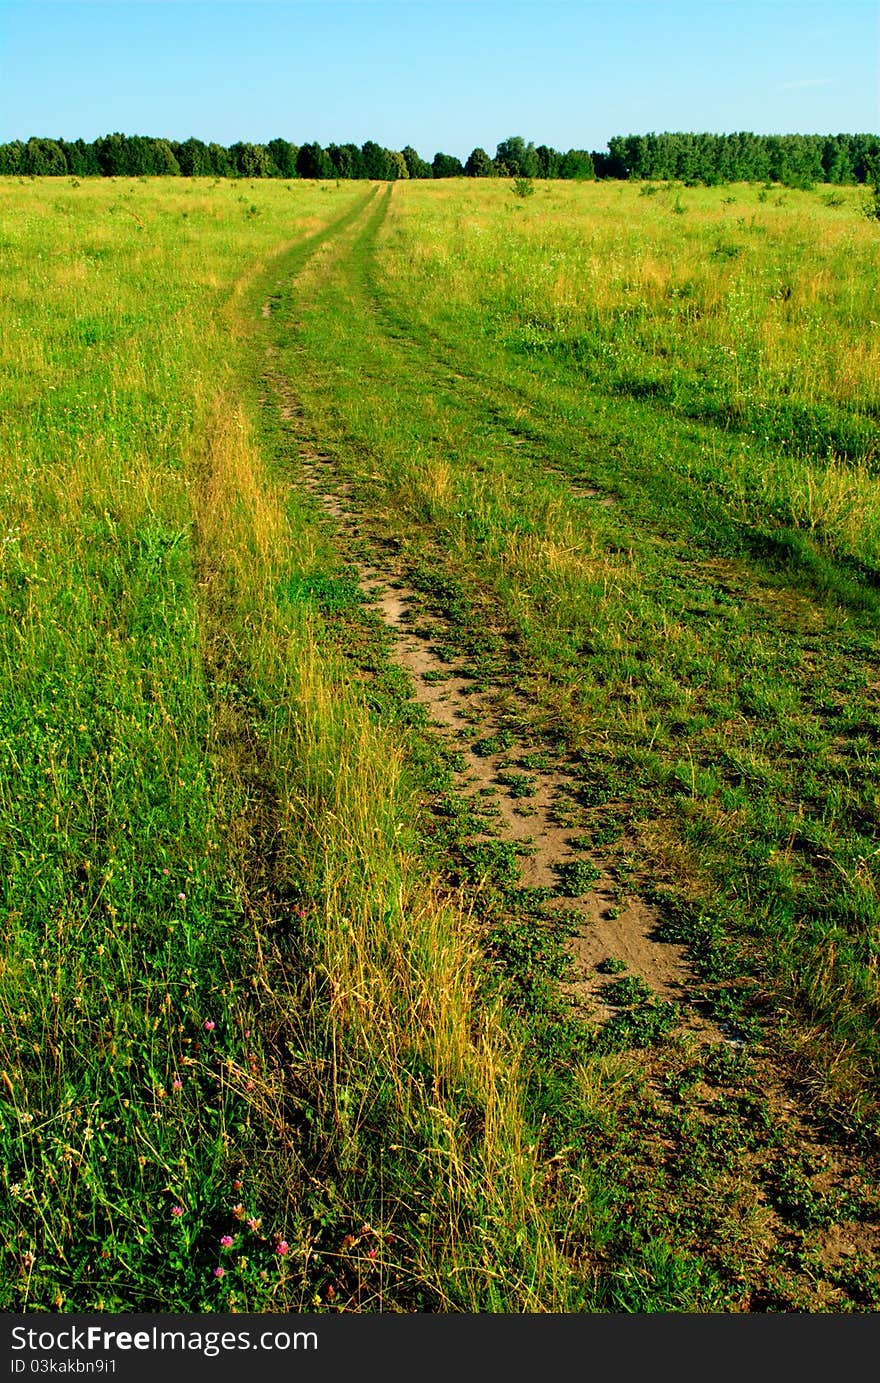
795	160
121	155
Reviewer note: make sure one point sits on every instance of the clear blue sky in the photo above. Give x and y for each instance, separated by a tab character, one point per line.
438	74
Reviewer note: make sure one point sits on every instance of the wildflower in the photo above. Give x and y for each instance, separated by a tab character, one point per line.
166	871
254	1224
219	1272
249	1085
226	1241
238	1211
282	1247
371	1253
237	1185
176	1210
210	1025
182	897
177	1083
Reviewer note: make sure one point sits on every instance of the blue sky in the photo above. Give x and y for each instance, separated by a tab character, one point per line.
438	74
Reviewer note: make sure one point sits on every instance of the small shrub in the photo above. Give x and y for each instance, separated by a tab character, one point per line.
872	188
518	784
725	250
576	877
630	990
611	966
492	744
523	187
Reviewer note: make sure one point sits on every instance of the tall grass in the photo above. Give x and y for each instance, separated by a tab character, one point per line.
756	315
403	1085
709	664
252	1056
245	1059
120	919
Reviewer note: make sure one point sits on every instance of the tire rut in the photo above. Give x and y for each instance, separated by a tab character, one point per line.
610	924
536	809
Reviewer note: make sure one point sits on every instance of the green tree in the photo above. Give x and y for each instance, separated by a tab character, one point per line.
517	158
479	164
872	179
312	161
44	158
250	160
397	169
193	158
418	166
447	166
577	163
548	160
141	159
376	161
113	154
13	157
863	148
837	161
347	160
221	164
283	155
164	163
81	158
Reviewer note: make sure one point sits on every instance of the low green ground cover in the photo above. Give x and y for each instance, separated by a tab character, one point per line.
278	1030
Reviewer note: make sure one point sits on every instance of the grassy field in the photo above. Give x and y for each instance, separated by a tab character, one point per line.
281	1027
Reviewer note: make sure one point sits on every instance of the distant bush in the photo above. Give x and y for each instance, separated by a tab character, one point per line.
523	187
872	197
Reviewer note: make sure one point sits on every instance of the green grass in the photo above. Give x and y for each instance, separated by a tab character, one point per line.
130	1044
701	647
264	967
246	1061
718	657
